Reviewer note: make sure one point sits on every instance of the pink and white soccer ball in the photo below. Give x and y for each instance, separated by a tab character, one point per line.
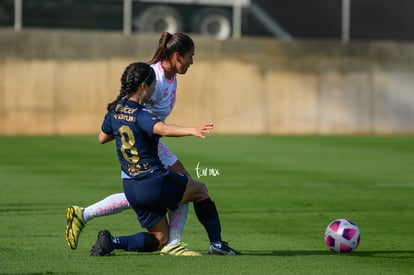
342	235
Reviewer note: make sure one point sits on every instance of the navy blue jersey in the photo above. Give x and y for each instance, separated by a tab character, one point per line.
136	145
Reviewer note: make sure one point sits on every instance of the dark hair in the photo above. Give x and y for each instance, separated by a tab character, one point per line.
171	43
133	75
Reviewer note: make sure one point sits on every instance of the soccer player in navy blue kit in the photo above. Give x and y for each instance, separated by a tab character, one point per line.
150	188
173	56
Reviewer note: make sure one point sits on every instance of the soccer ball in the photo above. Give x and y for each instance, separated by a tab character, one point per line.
342	235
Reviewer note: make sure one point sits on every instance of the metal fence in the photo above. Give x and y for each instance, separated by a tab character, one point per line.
303	19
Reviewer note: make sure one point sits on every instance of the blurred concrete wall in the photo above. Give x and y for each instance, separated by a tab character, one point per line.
60	82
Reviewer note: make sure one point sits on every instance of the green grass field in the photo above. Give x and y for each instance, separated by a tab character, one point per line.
275	195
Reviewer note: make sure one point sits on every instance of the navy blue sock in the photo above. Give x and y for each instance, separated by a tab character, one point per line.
207	214
140	242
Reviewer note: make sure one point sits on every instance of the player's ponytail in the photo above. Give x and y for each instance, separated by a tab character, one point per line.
133	75
171	43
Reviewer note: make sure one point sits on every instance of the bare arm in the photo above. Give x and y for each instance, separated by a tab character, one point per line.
104	137
171	130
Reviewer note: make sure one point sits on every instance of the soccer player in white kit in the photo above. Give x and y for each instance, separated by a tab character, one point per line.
174	55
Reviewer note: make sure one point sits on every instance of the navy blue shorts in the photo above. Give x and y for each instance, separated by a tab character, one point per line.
151	197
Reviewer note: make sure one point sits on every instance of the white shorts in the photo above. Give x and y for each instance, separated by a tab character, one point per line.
166	156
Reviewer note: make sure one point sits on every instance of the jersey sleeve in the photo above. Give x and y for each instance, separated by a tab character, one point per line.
106	124
147	120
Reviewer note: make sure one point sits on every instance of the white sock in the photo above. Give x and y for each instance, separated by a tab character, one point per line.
177	220
112	204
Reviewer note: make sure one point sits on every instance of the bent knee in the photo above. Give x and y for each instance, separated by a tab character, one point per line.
200	191
203	189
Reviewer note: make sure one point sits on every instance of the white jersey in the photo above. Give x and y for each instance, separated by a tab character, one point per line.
161	104
163	100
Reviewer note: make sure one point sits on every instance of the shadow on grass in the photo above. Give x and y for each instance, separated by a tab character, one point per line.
385	254
30	207
379	253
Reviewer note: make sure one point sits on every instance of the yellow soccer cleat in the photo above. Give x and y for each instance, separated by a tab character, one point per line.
74	225
178	249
